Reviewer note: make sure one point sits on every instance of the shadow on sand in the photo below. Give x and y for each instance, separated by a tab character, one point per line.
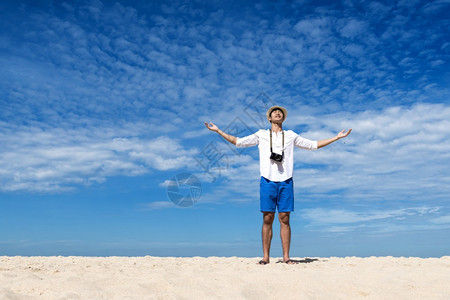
300	261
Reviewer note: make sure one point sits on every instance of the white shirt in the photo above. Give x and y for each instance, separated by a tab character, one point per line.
272	170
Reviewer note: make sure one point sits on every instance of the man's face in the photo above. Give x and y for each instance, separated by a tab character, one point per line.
276	116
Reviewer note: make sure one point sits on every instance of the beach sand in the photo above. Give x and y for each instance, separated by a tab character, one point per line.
223	278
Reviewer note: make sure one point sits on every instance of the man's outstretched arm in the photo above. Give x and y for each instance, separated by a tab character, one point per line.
228	137
339	136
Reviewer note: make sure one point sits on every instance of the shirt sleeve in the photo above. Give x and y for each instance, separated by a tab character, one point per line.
248	141
305	143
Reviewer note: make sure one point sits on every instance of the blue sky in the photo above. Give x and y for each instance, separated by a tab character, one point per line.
103	104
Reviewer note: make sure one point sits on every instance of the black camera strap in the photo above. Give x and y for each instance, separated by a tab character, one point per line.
282	132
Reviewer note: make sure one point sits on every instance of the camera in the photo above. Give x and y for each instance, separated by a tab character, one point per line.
276	157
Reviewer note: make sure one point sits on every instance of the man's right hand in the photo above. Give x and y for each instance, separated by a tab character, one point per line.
211	126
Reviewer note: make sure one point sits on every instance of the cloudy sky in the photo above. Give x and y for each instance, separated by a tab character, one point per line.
103	107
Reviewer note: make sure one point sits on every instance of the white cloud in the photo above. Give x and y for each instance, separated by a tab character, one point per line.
126	62
397	152
316	28
353	28
50	160
342	216
132	65
156	205
435	6
374	221
441	220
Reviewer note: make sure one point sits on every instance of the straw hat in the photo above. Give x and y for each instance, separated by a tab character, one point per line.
270	110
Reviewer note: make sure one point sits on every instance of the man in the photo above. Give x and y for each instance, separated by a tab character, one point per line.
276	156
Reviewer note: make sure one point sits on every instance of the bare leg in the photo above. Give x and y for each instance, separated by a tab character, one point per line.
285	233
268	218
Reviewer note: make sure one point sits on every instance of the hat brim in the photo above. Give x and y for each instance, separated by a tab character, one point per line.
270	110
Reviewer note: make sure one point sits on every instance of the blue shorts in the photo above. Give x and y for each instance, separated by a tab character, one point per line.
276	195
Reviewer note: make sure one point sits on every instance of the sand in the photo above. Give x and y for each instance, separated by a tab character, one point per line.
223	278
